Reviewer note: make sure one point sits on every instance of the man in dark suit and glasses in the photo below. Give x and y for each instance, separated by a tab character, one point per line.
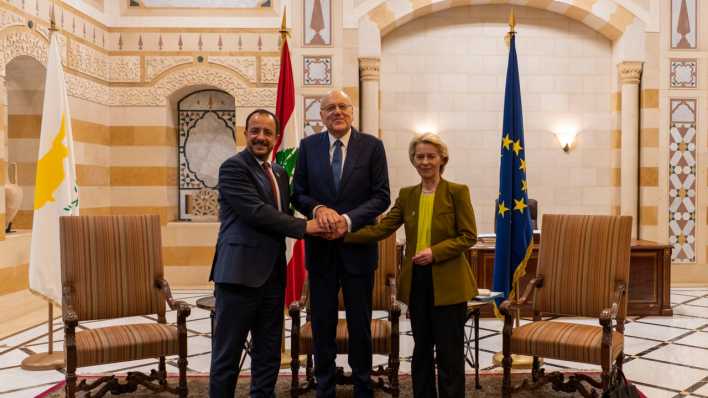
341	180
249	263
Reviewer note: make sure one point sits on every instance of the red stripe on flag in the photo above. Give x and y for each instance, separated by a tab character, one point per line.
285	103
296	273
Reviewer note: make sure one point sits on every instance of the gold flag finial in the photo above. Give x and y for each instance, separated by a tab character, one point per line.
512	21
52	19
512	26
283	26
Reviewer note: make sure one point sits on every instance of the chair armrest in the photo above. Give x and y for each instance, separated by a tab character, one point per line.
509	304
610	314
297	306
394	308
68	314
180	306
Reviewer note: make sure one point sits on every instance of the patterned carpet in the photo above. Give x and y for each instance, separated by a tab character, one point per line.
198	385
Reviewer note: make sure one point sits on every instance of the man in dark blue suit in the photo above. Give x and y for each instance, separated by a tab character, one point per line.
341	180
249	263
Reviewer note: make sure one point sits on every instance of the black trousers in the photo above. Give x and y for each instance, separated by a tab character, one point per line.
239	310
324	304
439	329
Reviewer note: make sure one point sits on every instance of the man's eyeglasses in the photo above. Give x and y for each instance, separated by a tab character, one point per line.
334	107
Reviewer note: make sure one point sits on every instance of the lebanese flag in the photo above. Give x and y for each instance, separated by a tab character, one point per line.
285	154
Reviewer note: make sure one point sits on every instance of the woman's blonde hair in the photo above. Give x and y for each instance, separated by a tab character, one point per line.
432	139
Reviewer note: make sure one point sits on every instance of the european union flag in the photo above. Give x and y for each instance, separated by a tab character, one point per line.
513	222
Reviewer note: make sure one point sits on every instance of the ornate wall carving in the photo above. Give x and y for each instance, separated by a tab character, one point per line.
87	89
243	65
19	43
8	18
88	60
270	68
124	69
157	95
156	64
231	74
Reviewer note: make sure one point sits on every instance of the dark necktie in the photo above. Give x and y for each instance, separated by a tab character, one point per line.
337	163
271	179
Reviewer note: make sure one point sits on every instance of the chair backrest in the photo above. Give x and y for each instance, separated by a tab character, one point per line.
386	268
110	264
580	258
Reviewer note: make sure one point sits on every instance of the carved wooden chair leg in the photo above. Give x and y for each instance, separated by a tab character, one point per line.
162	371
619	361
535	369
308	370
295	368
70	387
605	376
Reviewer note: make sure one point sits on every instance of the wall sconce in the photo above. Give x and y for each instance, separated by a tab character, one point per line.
566	137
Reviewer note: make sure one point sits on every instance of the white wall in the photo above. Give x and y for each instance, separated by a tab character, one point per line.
446	72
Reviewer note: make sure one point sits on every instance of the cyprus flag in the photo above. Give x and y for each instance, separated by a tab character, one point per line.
56	193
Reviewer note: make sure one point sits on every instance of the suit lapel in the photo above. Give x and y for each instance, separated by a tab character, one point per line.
263	184
281	177
441	192
351	159
414	208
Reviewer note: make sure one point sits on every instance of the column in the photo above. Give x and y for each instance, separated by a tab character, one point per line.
3	153
369	76
630	75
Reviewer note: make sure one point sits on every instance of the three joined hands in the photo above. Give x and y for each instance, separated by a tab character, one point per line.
327	224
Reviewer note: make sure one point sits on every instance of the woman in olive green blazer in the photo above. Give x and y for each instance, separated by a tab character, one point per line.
436	279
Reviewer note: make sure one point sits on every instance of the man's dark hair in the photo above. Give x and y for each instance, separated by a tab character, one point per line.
264	112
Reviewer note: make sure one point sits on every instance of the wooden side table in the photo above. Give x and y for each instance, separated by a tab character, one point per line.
472	337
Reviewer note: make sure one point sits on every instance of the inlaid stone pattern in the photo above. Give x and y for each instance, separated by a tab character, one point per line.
684	73
312	119
317	23
317	70
682	180
684	24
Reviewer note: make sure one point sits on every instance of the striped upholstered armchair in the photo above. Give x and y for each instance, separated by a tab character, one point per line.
384	332
583	269
111	267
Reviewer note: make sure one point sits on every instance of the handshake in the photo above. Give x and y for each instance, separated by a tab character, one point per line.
327	224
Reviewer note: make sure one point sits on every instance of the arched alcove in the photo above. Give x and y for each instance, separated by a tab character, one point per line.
25	91
206	125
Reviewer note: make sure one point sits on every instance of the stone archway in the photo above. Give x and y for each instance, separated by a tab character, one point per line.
25	93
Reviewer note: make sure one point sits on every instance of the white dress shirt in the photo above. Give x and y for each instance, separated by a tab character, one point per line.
345	145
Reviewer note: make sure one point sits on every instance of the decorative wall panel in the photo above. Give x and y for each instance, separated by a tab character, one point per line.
156	65
317	71
312	119
684	25
318	23
88	60
246	66
684	73
124	69
206	139
270	69
682	180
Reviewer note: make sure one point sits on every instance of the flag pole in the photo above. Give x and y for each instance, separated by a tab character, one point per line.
50	359
517	361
